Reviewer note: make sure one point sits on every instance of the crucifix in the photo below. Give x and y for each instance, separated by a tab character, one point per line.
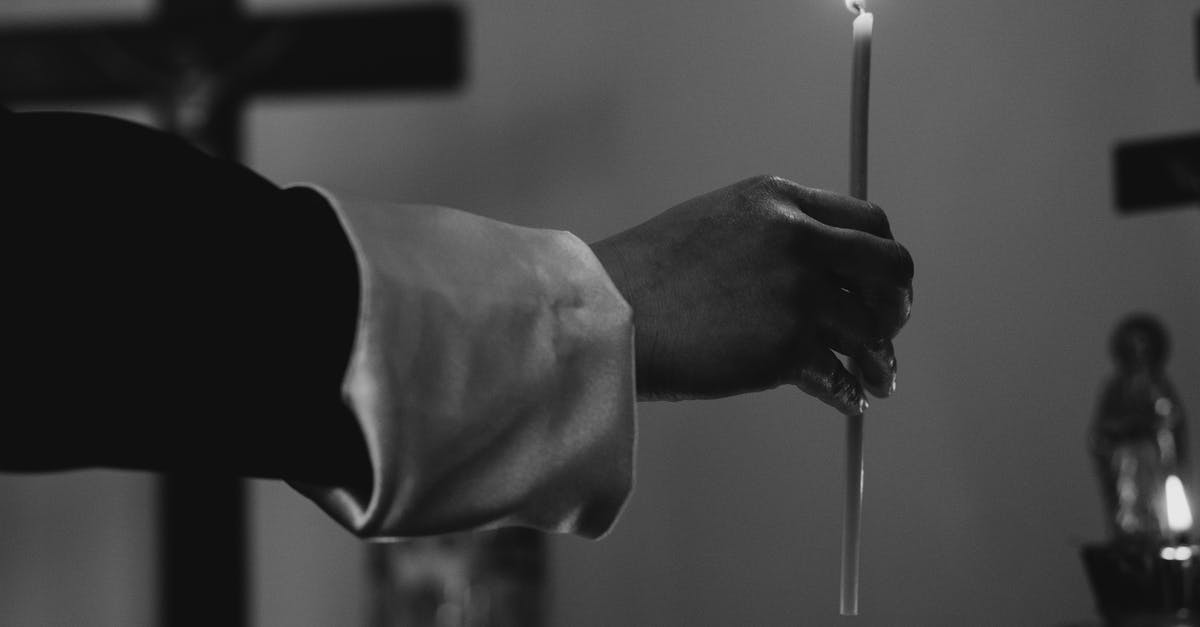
197	62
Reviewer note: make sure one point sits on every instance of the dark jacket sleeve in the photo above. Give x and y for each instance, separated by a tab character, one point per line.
168	310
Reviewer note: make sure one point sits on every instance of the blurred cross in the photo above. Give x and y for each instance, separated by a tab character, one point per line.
1159	173
197	62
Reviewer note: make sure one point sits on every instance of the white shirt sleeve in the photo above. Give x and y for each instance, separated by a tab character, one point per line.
491	376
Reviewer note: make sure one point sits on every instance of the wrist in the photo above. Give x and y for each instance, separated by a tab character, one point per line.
606	251
609	252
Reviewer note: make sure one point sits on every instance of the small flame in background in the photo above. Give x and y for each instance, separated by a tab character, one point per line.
855	6
1179	513
1177	553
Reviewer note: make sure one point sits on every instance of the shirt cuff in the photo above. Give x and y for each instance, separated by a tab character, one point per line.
492	377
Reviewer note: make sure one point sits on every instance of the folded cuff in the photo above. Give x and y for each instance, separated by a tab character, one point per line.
492	377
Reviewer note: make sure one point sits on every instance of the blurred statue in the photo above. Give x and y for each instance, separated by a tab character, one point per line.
1139	436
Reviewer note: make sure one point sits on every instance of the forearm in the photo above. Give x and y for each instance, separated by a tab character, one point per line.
488	383
170	311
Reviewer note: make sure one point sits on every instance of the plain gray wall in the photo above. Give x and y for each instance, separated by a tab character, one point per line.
992	127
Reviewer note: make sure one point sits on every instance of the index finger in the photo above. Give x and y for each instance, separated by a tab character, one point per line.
862	258
836	210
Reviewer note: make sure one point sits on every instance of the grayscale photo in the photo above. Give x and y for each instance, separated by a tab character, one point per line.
571	313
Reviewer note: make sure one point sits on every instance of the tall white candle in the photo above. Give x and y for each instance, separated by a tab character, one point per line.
860	97
860	91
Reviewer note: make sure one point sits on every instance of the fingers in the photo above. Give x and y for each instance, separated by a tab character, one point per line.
875	361
850	327
892	307
864	317
857	256
876	364
836	210
850	317
824	377
853	236
877	271
865	294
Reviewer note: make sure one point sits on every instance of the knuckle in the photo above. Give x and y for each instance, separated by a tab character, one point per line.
879	219
770	183
763	193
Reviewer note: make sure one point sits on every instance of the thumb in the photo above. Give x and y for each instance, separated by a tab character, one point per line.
821	375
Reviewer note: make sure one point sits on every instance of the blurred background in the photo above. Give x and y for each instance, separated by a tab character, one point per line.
992	130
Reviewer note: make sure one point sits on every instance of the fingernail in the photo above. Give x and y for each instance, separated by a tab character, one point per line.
893	385
863	405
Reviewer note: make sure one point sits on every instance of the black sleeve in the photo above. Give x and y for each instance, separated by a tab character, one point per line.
168	310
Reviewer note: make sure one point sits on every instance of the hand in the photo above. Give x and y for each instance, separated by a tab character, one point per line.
759	284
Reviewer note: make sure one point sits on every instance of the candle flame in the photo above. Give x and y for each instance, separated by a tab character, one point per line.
856	6
1179	513
1177	553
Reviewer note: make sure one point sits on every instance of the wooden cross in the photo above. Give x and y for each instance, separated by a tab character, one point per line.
197	62
1159	173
